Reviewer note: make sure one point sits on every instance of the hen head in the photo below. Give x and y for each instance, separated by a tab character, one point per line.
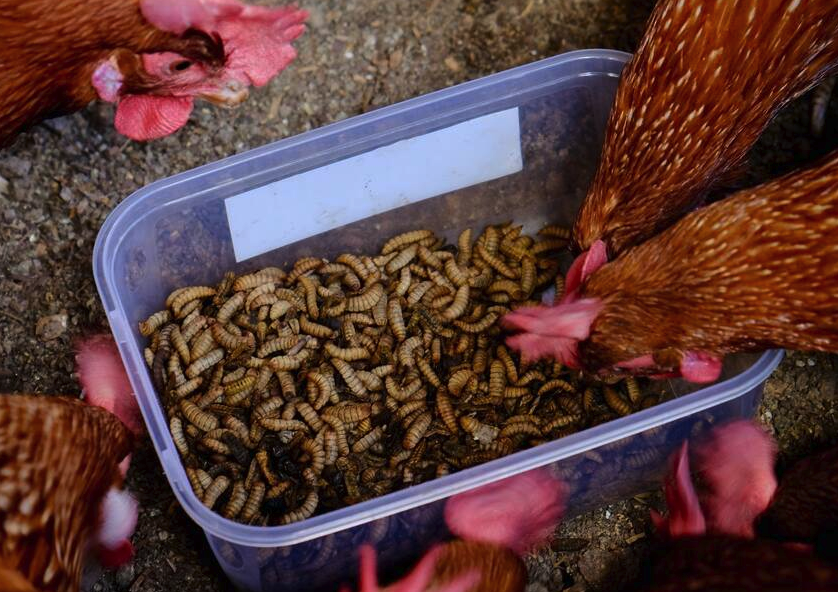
154	93
557	331
105	384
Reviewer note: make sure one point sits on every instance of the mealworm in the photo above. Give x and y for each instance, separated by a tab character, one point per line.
215	490
417	430
404	239
154	322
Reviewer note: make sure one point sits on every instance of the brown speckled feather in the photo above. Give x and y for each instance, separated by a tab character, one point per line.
58	458
754	271
717	564
706	79
501	570
805	505
50	48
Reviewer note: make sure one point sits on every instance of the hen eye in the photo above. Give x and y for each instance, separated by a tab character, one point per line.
181	65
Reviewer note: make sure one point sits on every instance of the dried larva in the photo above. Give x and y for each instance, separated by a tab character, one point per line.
519	428
255	497
368	440
315	329
216	446
229	308
633	390
417	430
556	384
402	240
254	280
279	309
459	305
209	397
366	299
427	370
455	273
478	430
417	292
347	354
176	428
148	355
648	401
302	267
310	296
188	387
497	379
349	412
307	508
479	326
379	311
555	231
497	263
402	259
405	352
508	363
309	415
204	363
215	490
408	408
234	505
202	344
286	363
436	350
355	264
154	322
507	286
560	422
458	380
514	392
188	295
446	411
265	467
350	378
370	380
394	315
615	402
195	482
200	419
548	245
239	388
464	248
316	454
283	425
330	311
174	371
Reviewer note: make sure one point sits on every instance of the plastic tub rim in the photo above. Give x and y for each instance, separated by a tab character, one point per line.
405	499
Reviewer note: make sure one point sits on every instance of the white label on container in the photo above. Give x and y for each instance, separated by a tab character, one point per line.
402	173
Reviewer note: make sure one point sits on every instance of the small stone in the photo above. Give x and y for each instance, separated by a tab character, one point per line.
396	59
162	535
4	186
125	576
799	363
51	327
15	166
452	64
810	362
593	563
66	194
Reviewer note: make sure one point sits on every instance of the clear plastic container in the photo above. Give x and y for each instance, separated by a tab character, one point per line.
176	232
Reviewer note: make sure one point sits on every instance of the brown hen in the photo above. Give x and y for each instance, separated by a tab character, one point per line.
706	79
754	271
149	57
59	457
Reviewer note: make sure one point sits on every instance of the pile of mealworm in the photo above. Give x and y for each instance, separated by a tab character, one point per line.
291	393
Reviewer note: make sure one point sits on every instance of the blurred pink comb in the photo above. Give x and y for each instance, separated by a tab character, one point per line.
517	513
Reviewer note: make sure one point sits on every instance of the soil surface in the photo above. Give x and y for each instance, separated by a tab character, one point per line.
59	182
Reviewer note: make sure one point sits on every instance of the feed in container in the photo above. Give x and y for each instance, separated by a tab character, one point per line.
520	145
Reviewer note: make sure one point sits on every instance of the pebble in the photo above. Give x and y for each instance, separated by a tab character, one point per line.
51	327
162	535
799	363
125	576
15	166
4	185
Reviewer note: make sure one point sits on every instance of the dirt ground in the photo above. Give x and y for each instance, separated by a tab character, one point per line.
60	181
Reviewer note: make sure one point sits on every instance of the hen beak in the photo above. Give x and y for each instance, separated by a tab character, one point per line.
230	94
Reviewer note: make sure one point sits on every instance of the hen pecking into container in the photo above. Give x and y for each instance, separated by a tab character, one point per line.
63	463
496	524
151	58
754	271
705	81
